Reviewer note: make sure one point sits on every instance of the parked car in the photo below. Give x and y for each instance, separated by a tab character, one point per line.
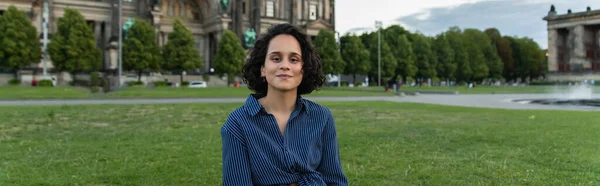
197	84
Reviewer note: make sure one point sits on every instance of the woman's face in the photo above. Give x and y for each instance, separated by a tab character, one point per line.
283	64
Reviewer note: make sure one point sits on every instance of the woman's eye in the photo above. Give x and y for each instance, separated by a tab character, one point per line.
276	59
294	60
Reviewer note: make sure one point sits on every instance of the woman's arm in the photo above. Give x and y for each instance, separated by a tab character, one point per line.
331	167
236	167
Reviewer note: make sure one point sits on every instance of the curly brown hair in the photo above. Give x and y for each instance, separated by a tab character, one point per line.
313	77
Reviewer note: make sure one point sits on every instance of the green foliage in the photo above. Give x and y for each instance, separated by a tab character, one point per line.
475	41
461	56
327	48
18	40
95	89
230	55
95	79
446	68
423	57
136	83
403	52
45	83
528	58
179	53
355	54
73	47
388	61
185	83
14	82
140	50
160	84
206	77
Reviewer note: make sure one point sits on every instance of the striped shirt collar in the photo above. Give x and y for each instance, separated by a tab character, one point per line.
253	107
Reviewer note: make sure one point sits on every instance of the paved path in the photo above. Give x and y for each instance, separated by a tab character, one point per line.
503	101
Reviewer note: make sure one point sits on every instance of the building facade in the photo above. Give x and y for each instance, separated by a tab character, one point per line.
573	44
207	19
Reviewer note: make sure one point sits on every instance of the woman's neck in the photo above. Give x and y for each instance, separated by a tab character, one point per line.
276	101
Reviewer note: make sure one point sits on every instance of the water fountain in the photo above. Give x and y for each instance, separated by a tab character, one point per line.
576	95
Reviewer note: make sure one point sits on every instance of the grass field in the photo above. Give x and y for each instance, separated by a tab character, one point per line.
12	93
381	143
16	93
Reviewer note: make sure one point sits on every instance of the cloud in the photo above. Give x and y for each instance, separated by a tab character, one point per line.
512	17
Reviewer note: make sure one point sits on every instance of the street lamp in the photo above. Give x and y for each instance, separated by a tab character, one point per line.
120	60
338	47
378	26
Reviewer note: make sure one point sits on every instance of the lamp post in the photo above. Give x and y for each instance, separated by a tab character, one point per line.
378	26
45	17
339	83
120	61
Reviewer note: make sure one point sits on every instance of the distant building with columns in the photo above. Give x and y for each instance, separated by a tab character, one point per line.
207	19
573	45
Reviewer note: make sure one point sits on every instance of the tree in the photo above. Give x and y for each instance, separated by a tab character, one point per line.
179	52
356	56
140	50
388	61
404	54
446	68
19	41
493	53
474	42
461	57
328	50
424	60
230	56
505	54
73	46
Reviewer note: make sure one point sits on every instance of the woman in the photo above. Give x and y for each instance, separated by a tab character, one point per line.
277	137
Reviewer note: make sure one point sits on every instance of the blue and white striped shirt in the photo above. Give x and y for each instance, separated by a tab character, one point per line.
255	152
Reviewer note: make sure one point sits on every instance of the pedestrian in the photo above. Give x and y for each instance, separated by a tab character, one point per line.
277	137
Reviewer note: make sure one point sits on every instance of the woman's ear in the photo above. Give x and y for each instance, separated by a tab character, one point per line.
262	71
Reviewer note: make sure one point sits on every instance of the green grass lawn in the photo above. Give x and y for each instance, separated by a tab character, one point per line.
381	143
16	93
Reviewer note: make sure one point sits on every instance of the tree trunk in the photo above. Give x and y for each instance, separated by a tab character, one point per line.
139	75
354	78
181	79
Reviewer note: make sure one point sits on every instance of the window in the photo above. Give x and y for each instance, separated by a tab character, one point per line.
243	7
312	9
181	8
270	8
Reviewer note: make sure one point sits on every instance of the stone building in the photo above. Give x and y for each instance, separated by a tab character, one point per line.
207	19
573	44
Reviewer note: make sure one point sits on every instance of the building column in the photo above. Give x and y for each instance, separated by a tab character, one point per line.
552	50
98	33
578	57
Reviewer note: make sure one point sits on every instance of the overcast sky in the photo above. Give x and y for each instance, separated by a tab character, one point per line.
521	18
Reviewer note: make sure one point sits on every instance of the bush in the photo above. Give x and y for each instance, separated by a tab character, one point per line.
160	84
135	83
95	79
80	82
185	83
358	84
344	84
95	89
206	77
45	83
14	82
